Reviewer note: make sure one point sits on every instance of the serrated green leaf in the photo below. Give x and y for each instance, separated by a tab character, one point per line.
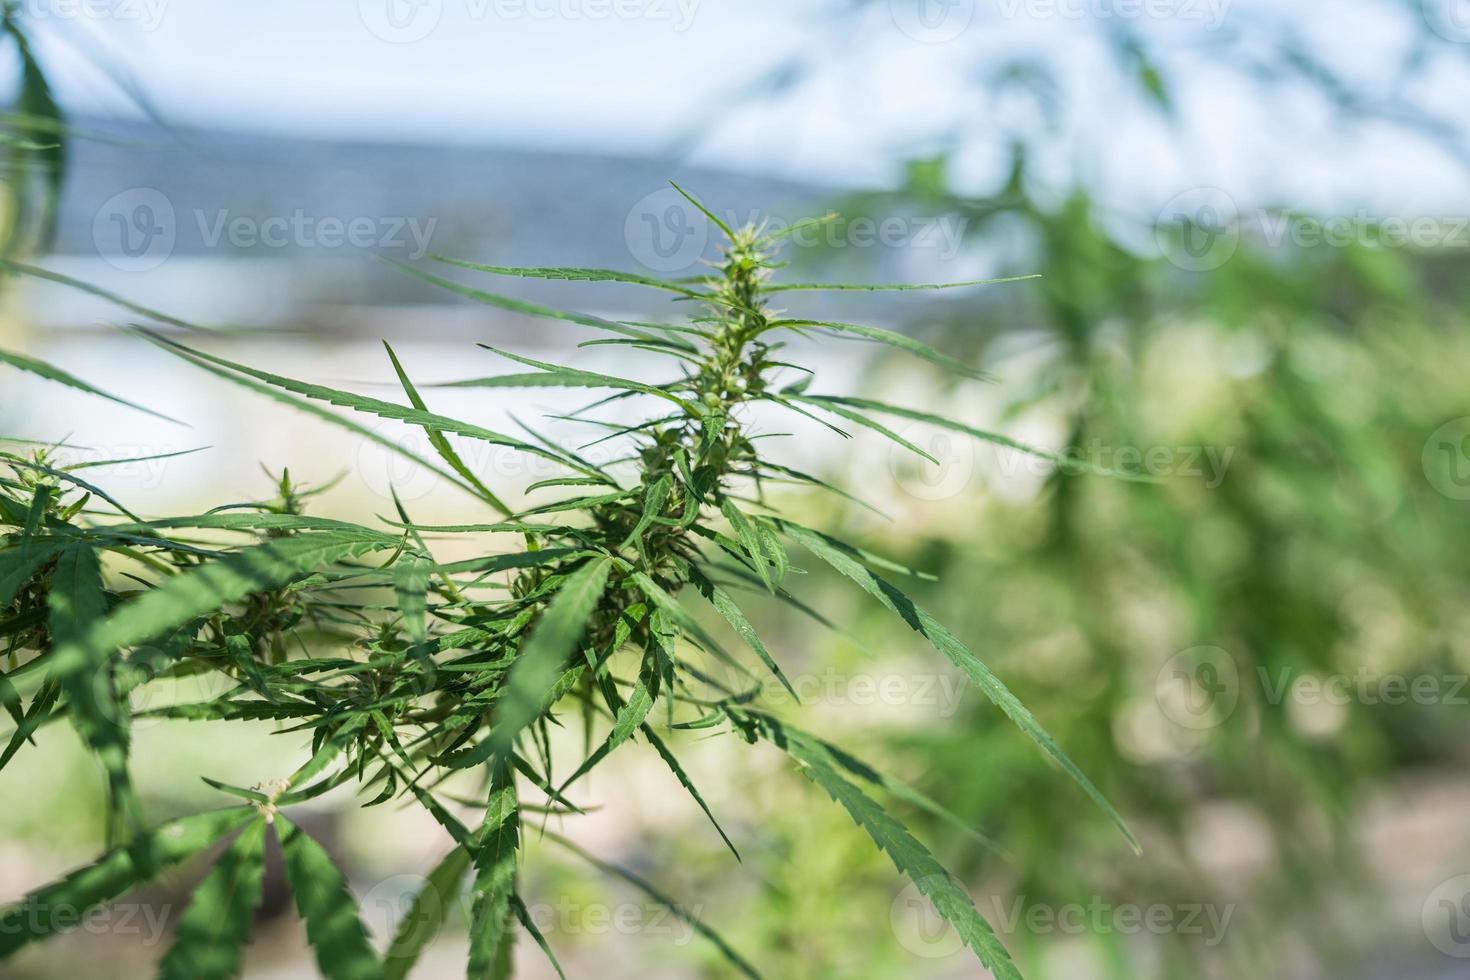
592	379
410	585
424	919
678	911
439	441
316	411
332	924
654	498
428	421
1064	463
911	858
523	915
18	565
893	287
52	373
745	533
946	643
495	873
542	658
514	305
891	338
77	602
727	607
673	763
573	275
36	915
865	422
216	925
205	588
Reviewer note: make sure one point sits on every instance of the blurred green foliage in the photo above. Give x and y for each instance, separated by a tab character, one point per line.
1305	527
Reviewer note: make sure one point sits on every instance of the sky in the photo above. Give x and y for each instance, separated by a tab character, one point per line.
894	81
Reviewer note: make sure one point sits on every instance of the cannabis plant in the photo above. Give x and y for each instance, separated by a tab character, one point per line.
32	144
404	669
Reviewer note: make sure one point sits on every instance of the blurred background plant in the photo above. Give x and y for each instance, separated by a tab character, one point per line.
1231	651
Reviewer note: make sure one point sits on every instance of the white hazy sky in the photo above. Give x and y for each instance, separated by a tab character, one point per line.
627	76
